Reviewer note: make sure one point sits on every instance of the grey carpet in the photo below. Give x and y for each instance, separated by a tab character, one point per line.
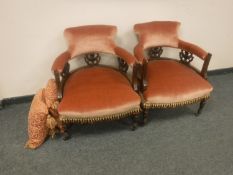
174	142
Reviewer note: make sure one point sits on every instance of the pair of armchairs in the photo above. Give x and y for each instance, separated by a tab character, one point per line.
98	92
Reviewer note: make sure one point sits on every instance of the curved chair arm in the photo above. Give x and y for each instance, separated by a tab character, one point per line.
139	53
205	66
125	55
60	69
60	62
201	53
131	61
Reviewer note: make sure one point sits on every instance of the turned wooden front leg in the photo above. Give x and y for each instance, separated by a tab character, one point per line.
201	106
134	124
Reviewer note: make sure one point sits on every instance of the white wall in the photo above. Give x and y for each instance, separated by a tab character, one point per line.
31	32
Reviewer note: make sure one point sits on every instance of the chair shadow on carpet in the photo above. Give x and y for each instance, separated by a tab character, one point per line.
99	128
155	115
172	113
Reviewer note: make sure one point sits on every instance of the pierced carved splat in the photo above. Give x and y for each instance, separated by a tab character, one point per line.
92	58
186	57
155	52
123	66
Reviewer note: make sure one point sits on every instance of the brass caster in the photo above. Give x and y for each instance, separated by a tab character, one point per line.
133	127
133	123
145	120
197	114
66	136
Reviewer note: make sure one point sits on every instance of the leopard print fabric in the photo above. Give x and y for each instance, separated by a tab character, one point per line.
37	130
41	122
50	93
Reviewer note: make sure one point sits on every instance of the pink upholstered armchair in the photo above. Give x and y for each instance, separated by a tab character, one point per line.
95	92
168	82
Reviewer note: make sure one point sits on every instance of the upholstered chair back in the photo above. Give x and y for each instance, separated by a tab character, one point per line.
158	33
92	38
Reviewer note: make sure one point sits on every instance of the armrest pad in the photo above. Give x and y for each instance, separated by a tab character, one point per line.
139	53
60	61
193	49
128	57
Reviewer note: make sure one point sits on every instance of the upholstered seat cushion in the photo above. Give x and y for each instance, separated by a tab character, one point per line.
97	93
171	83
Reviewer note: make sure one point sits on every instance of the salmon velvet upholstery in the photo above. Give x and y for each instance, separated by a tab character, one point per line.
128	57
97	92
139	53
60	61
170	82
159	33
93	38
88	39
162	33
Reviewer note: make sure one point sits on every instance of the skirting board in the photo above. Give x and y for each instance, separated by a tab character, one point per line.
28	98
15	100
220	71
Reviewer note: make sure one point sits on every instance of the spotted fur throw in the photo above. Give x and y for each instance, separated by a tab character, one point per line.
37	130
53	123
50	93
43	118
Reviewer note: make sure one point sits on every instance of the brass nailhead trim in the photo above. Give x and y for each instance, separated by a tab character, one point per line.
173	105
83	119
